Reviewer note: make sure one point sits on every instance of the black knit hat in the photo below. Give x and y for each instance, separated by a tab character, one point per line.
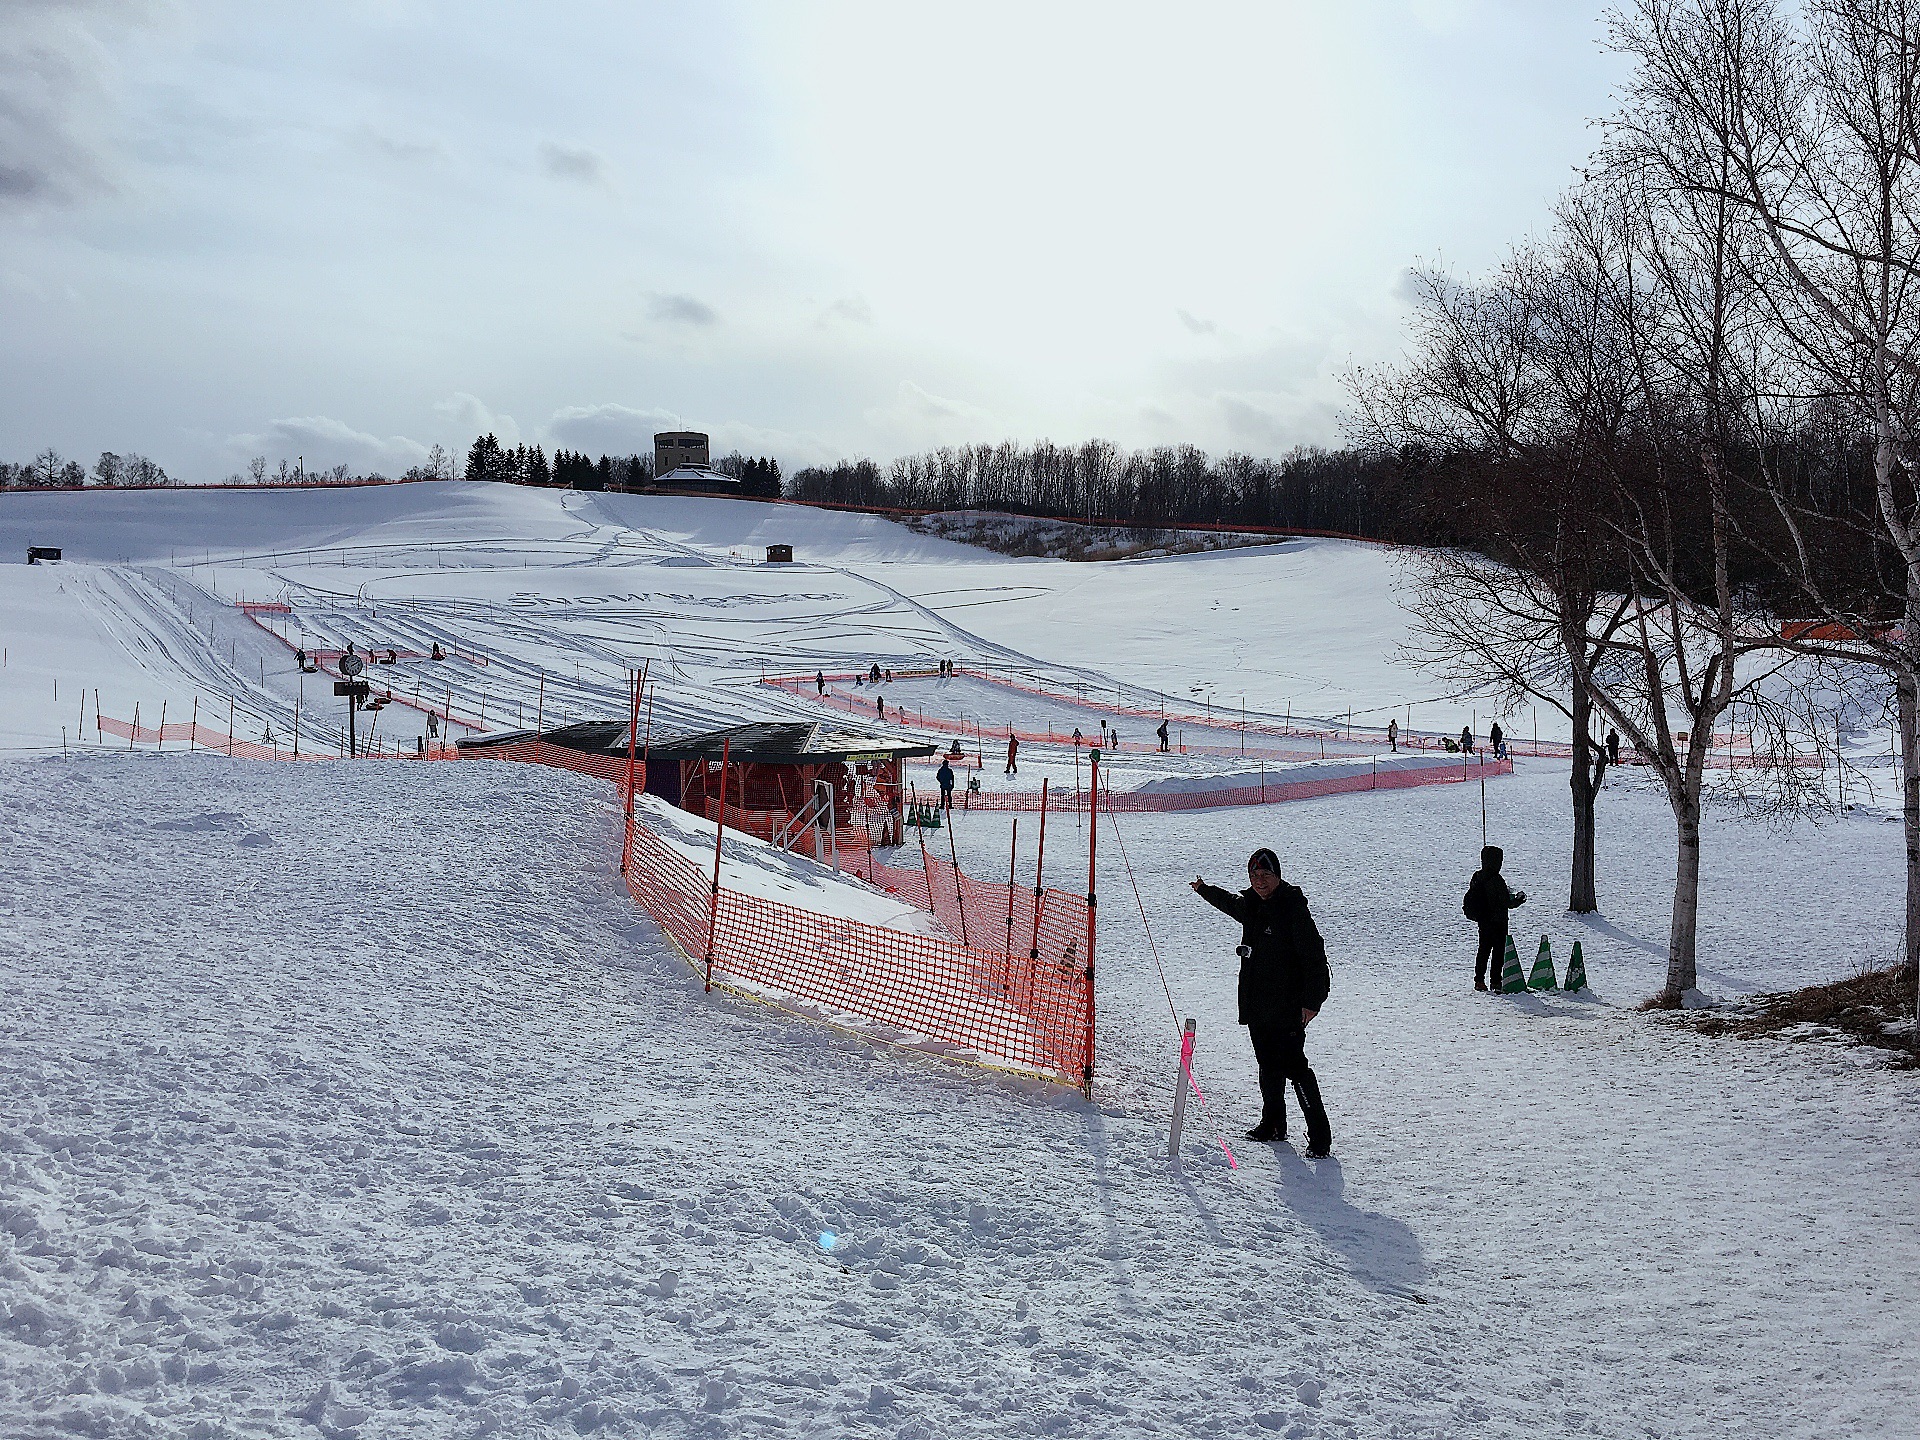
1264	859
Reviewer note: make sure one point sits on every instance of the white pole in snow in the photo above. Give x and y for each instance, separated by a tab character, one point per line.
1182	1080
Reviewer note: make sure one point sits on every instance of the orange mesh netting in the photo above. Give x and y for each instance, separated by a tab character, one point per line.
966	993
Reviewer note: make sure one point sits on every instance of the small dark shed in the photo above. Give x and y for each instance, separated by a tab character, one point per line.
37	553
779	554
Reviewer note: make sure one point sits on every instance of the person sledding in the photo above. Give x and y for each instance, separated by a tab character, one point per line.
1283	984
1487	901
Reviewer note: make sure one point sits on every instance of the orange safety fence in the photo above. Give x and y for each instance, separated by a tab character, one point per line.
804	686
1015	997
191	735
195	736
1274	791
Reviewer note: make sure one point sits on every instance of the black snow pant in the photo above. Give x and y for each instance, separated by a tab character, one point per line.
1281	1051
1491	956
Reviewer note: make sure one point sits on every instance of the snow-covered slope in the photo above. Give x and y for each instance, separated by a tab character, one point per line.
361	1100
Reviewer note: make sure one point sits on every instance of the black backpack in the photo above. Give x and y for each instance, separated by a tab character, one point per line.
1471	904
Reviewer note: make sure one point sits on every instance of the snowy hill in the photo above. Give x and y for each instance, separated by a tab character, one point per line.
362	1100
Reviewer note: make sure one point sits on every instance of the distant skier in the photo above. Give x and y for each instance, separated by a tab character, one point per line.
1013	755
1613	746
820	681
1078	738
889	677
945	776
1497	738
1393	735
1486	904
433	725
437	653
880	707
300	658
1113	738
1283	983
1162	733
1466	739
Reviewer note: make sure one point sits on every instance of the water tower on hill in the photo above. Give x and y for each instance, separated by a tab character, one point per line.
680	450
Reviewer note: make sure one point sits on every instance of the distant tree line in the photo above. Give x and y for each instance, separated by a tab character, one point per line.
50	470
1378	495
488	459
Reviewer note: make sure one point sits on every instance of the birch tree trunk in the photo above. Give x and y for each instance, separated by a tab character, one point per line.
1582	892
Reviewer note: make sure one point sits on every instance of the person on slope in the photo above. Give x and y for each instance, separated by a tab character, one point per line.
1013	755
945	776
873	673
820	681
1613	746
880	707
1497	738
1162	733
1283	983
1393	735
1466	739
1486	904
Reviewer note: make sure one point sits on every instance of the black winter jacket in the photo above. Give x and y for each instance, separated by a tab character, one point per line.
1287	969
1489	899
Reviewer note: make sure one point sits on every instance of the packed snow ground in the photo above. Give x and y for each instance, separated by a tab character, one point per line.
361	1100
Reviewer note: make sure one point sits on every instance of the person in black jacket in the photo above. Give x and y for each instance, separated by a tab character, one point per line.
1283	984
1487	902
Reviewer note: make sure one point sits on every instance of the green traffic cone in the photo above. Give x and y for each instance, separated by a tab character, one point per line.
1576	970
1542	976
1513	980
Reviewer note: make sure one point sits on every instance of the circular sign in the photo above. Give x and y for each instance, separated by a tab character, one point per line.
351	665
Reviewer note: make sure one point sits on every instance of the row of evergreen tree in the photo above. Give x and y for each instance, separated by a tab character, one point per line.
488	459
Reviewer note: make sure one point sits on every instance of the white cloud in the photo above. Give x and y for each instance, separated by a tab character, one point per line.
626	430
919	418
1195	324
469	416
324	442
610	429
58	100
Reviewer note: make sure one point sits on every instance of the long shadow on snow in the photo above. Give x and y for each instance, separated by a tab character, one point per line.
1382	1252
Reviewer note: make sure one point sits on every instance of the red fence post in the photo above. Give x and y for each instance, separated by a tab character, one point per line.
719	830
633	727
1093	836
1039	864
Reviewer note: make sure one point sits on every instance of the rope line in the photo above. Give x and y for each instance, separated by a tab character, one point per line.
1173	1011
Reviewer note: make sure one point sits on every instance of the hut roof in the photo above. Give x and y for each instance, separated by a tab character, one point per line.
761	742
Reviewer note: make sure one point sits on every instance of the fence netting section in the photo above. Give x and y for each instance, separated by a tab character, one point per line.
1274	790
1013	996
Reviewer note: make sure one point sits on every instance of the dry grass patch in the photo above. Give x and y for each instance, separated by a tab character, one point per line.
1874	1007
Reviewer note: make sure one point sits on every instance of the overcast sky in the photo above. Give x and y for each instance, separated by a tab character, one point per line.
353	228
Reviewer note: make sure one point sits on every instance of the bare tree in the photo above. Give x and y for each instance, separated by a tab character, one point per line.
1517	384
1822	124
